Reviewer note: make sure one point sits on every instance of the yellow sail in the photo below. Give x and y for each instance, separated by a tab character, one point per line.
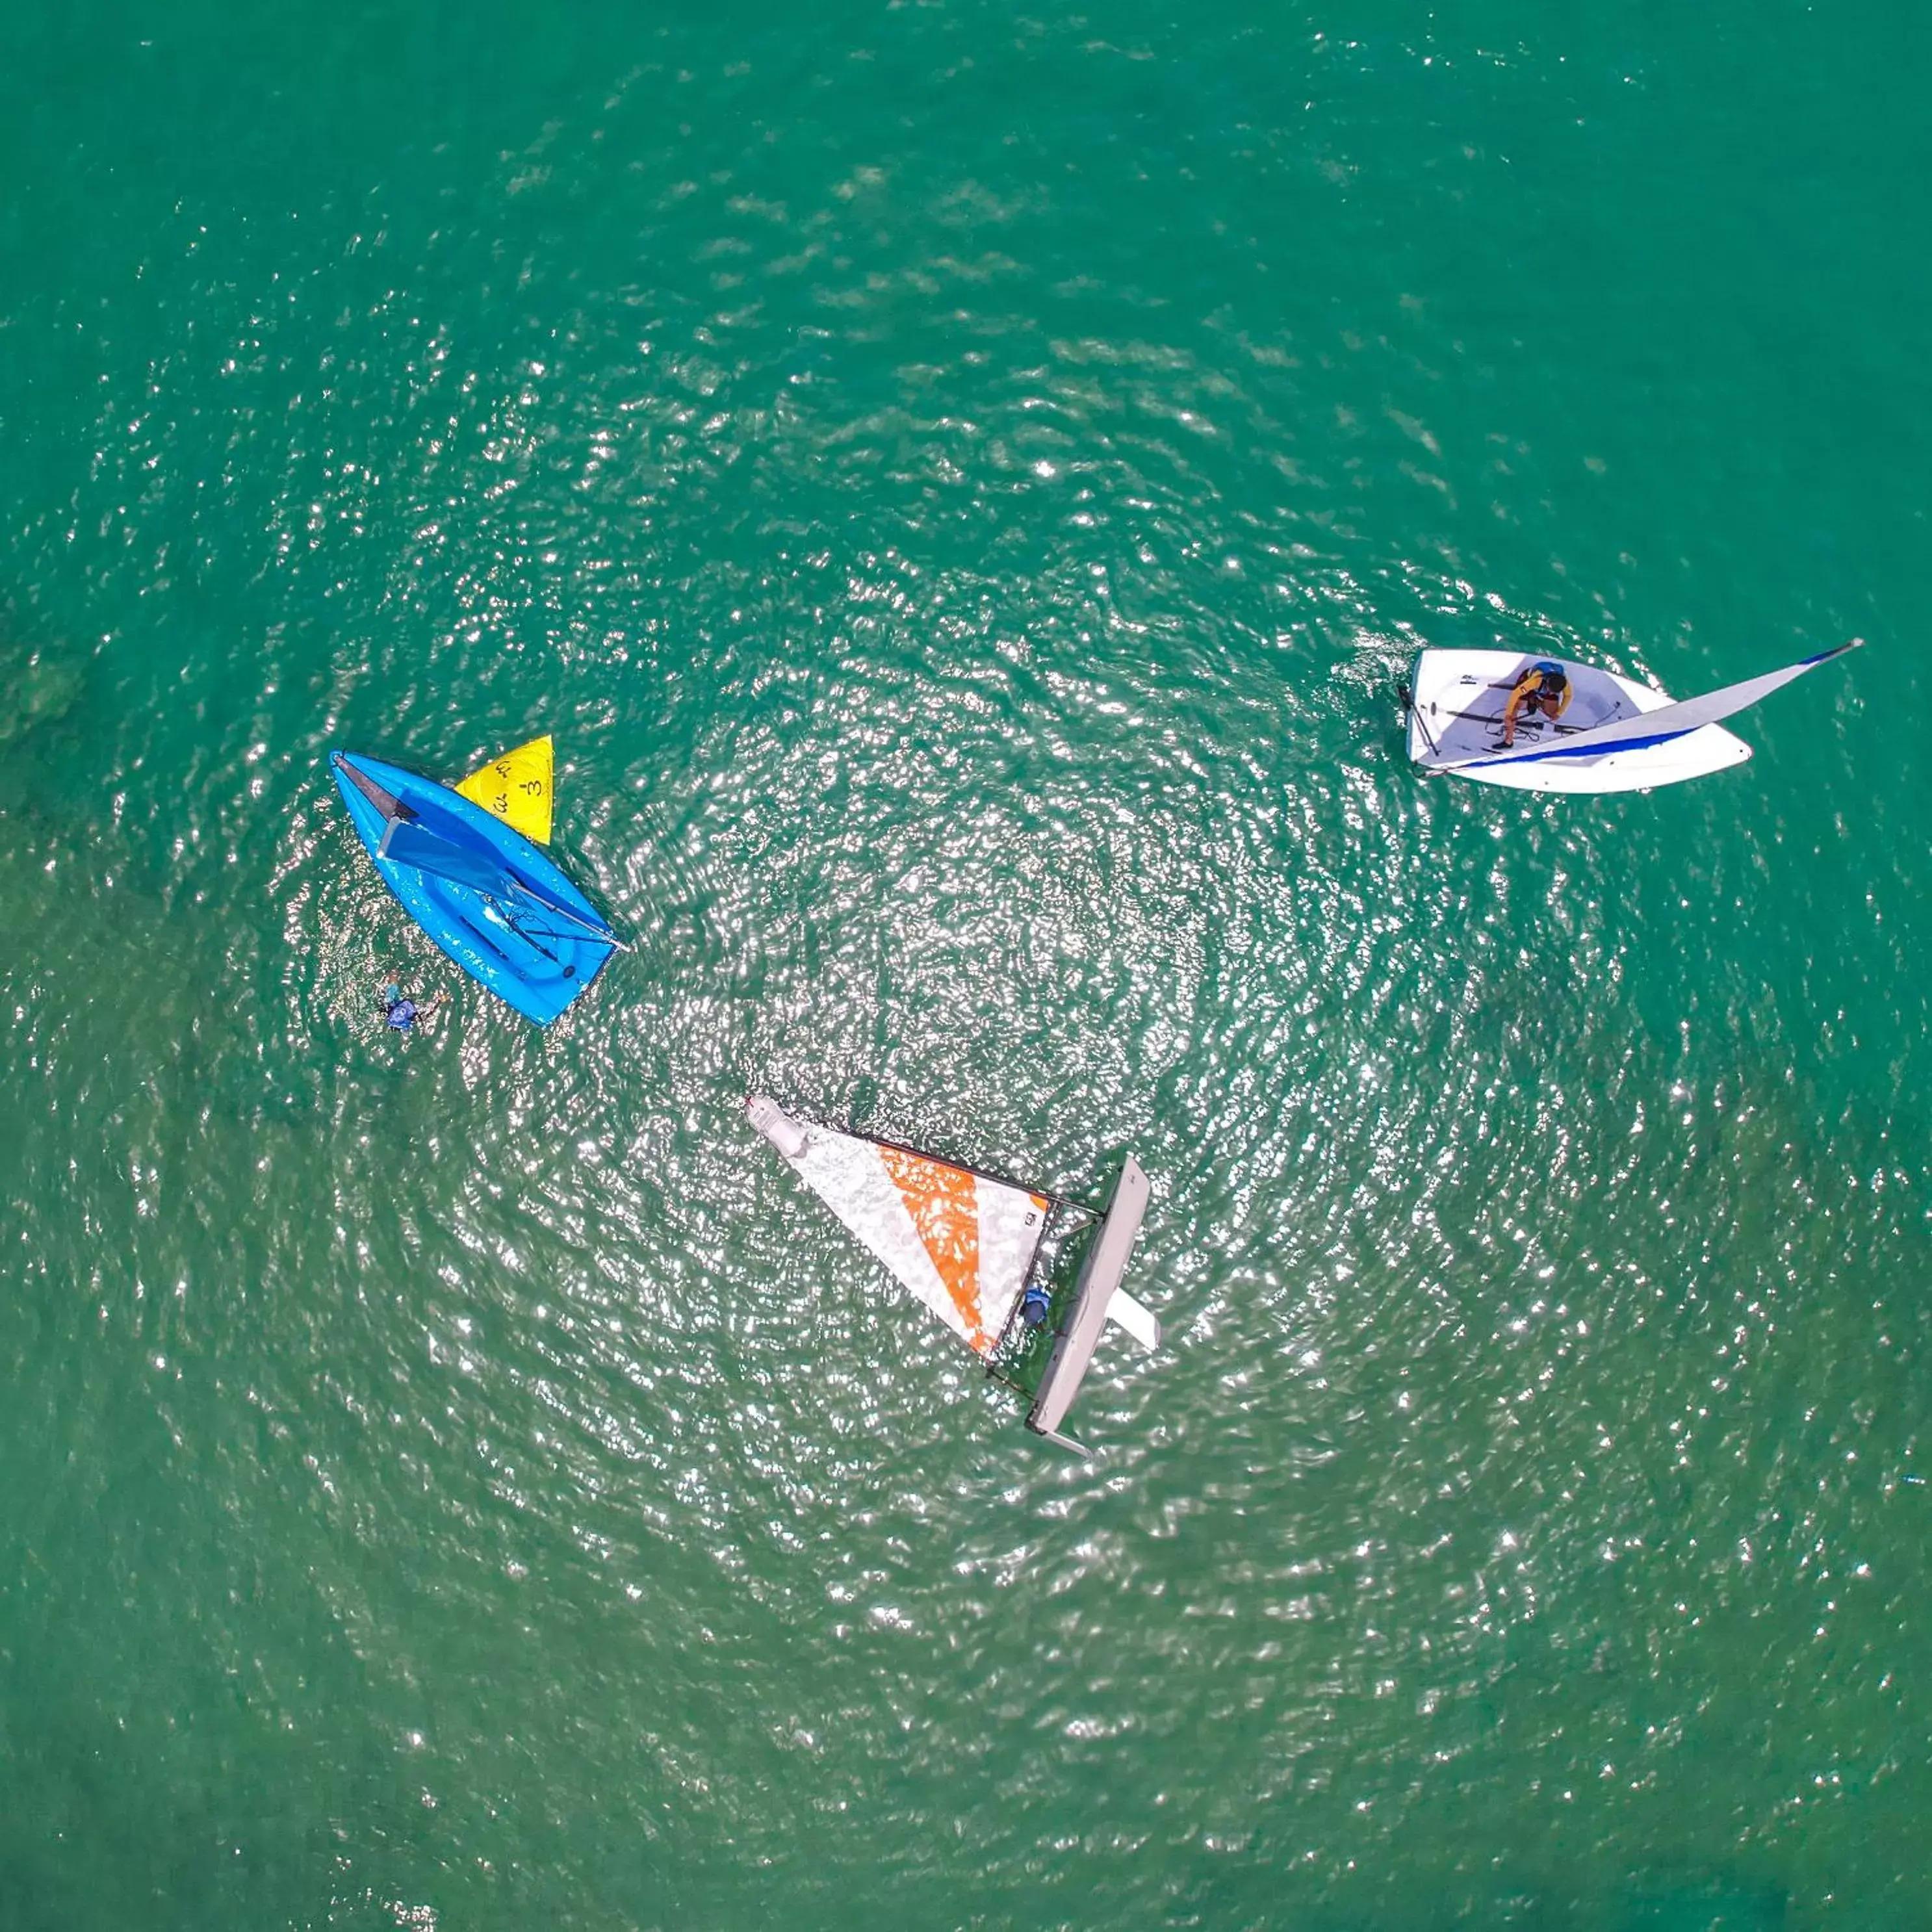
517	787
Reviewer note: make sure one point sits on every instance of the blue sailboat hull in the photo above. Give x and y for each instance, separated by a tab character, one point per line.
535	944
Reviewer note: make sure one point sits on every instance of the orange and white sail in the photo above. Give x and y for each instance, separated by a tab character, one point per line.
963	1244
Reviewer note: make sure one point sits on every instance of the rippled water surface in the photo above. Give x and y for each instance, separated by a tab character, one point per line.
960	484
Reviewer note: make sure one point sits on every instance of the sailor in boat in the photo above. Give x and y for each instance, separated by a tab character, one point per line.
1544	688
401	1014
1036	1307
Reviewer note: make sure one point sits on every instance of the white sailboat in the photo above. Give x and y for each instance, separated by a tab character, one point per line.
1614	735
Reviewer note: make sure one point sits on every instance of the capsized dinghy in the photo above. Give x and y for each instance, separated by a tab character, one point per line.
971	1247
476	884
1614	735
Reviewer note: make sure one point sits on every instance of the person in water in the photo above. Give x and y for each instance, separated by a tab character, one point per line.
1544	687
400	1015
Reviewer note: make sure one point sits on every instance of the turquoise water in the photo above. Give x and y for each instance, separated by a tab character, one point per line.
959	484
